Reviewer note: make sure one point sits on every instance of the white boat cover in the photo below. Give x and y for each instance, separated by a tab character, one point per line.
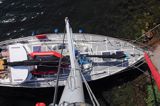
18	73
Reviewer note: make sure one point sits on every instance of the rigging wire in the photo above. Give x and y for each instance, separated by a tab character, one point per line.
136	40
142	71
91	94
133	41
57	79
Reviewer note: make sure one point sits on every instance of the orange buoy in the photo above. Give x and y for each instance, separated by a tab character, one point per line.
40	104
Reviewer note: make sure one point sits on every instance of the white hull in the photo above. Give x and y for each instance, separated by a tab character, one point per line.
86	44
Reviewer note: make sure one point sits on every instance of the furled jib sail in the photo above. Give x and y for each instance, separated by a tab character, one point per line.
153	70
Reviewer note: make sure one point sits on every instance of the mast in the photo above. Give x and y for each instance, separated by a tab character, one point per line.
71	47
73	91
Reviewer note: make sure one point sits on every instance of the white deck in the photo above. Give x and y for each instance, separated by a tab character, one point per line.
86	44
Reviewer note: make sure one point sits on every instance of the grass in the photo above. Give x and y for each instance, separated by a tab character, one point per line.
150	99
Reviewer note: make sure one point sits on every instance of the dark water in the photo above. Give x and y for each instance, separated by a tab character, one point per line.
111	91
23	17
103	90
